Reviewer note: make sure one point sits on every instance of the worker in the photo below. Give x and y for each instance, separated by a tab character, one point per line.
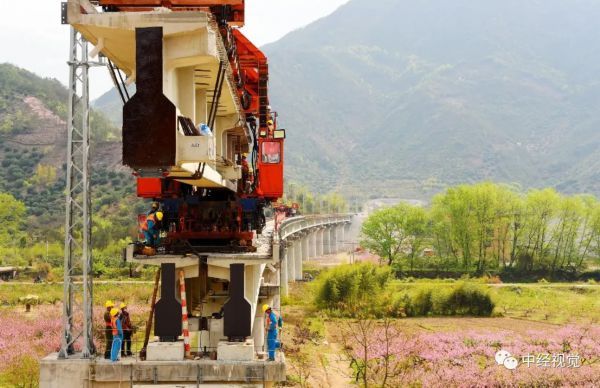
150	228
127	331
245	172
108	328
271	127
273	323
117	333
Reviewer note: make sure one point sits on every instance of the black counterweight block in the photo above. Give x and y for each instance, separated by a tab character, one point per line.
168	324
237	309
149	117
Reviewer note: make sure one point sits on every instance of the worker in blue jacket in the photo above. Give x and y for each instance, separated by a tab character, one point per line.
273	323
117	332
150	228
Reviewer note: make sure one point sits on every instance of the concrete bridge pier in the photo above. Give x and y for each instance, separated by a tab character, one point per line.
326	241
291	266
306	247
298	259
283	272
333	239
313	244
320	242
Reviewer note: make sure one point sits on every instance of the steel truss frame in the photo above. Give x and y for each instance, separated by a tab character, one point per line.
78	296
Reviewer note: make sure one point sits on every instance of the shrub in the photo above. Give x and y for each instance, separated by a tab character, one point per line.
421	304
462	299
467	299
349	285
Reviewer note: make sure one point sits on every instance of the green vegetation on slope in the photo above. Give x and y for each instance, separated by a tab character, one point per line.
15	117
32	176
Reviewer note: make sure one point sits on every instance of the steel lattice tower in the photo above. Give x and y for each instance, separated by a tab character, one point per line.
78	297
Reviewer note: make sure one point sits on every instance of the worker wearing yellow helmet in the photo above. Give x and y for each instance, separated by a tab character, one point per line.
117	333
108	328
150	229
127	331
273	324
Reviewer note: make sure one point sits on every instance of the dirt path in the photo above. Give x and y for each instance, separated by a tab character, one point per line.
337	371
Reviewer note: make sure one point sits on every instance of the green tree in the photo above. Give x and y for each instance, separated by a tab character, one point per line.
453	212
417	228
12	220
386	231
539	213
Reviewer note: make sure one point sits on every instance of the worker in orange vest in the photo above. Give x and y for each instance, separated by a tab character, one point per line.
108	328
150	228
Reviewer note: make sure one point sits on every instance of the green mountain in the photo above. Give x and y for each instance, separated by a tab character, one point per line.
33	139
400	97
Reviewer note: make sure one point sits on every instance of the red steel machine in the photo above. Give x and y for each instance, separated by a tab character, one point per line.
208	203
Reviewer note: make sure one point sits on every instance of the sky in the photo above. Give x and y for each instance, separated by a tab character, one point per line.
32	37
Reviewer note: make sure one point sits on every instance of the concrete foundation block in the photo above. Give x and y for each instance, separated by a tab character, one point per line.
165	351
55	373
236	351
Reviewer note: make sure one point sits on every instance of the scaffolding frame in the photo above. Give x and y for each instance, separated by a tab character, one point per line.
78	220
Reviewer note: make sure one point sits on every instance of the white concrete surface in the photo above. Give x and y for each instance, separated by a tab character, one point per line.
165	351
236	351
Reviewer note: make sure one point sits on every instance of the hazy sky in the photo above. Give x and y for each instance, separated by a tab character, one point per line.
32	37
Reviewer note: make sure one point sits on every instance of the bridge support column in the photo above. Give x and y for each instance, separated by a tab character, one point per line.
320	243
326	241
291	263
333	239
305	248
313	244
298	259
342	238
283	271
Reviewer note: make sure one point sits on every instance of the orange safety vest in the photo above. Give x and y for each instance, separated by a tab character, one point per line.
113	324
151	217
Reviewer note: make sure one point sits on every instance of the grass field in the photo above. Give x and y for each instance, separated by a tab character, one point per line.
561	303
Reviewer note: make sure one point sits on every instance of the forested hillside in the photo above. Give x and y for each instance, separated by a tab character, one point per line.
399	97
32	178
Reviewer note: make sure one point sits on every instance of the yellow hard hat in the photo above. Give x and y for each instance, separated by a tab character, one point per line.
109	303
122	305
265	308
270	122
159	216
114	312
